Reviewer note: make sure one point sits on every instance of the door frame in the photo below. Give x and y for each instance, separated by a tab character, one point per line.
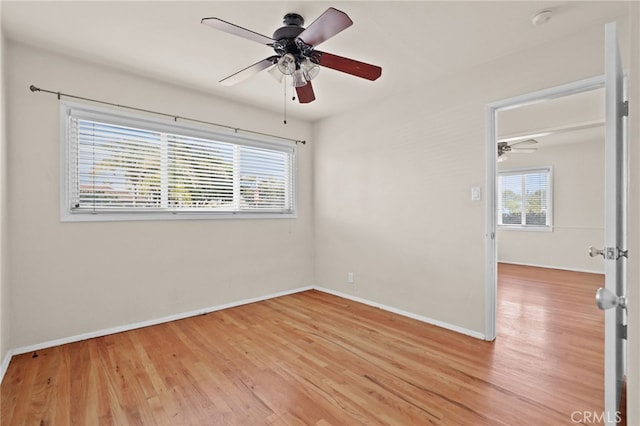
491	137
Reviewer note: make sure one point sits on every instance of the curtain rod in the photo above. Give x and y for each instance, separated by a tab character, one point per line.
175	117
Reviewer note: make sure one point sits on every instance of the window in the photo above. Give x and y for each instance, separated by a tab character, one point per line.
123	167
525	198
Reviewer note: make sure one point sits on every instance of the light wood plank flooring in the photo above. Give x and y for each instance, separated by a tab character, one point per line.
313	358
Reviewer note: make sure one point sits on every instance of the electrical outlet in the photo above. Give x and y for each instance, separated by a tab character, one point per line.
350	277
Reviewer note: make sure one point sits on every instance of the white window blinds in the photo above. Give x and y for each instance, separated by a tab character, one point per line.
127	166
525	198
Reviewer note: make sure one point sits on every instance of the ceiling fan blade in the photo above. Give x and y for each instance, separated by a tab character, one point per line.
234	29
249	71
305	93
330	23
349	66
524	142
523	150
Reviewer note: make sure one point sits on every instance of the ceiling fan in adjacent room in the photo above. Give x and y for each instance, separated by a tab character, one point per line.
295	53
523	147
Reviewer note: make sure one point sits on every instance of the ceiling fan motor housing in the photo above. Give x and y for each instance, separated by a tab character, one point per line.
503	147
292	27
293	19
287	38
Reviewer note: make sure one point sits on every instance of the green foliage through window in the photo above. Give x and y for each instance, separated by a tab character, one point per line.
524	198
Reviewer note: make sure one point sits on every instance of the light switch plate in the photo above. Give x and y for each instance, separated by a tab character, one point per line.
476	194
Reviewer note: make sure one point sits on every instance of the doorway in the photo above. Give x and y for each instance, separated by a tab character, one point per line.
549	210
532	101
612	297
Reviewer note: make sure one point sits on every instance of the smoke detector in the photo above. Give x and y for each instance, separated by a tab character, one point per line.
541	17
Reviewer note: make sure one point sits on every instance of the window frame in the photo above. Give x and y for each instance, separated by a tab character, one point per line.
550	209
163	125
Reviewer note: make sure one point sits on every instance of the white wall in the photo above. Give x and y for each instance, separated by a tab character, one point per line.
73	278
4	285
578	209
393	180
392	185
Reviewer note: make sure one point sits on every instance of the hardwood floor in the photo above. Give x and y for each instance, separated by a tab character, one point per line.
313	358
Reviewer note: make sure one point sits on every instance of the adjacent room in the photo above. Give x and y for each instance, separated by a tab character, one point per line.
550	207
300	213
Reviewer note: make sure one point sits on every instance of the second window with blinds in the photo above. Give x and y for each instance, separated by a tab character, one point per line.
525	199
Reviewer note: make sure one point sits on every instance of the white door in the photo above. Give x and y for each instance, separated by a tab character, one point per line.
612	298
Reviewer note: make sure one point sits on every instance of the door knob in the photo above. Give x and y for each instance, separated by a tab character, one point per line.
593	252
605	299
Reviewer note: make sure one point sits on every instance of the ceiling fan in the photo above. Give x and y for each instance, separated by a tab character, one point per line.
295	52
504	147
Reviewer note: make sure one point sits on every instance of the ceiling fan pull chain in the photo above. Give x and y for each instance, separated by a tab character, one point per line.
284	84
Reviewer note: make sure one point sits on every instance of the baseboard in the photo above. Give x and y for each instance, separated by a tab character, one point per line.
128	327
422	318
553	267
5	364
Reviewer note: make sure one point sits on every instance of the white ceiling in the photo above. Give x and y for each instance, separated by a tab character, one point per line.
565	120
414	42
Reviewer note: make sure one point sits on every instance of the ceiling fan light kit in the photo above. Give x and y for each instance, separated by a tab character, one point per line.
309	69
295	52
298	79
287	64
276	74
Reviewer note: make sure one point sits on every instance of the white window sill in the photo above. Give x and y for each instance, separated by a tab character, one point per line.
525	228
119	217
